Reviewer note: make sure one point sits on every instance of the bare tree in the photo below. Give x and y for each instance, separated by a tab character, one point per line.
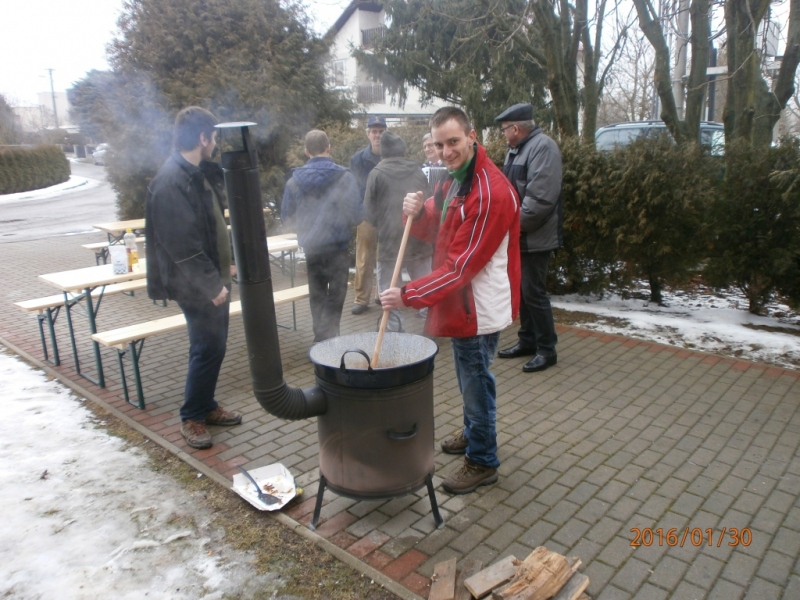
751	108
628	94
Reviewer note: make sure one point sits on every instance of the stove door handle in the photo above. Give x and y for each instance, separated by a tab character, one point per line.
404	435
359	351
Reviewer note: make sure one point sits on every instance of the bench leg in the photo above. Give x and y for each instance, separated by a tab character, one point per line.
101	254
135	354
135	349
48	316
91	313
68	306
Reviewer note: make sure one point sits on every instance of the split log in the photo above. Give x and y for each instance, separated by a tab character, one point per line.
469	567
574	588
499	573
539	577
443	582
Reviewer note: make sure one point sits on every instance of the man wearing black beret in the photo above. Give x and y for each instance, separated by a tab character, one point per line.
533	166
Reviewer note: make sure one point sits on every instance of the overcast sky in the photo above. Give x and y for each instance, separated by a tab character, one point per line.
70	37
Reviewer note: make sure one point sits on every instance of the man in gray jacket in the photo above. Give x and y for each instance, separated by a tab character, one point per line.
387	185
533	166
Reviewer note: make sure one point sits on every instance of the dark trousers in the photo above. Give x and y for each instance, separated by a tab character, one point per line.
327	288
537	328
208	339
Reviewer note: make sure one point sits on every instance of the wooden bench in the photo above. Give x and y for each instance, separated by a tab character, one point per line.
48	308
132	337
100	249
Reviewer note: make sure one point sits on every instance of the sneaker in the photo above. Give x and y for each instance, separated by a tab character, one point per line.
456	444
469	477
220	416
359	309
196	434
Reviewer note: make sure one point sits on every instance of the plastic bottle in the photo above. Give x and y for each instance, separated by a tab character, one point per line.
132	249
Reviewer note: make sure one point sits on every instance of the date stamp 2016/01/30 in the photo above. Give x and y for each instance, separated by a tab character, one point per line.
694	536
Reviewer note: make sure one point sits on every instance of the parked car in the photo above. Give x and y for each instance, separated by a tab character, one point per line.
622	134
99	154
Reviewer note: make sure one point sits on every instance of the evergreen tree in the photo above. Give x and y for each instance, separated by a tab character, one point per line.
487	55
8	130
89	103
756	224
250	60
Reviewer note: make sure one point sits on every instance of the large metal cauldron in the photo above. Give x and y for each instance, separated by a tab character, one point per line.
376	439
375	427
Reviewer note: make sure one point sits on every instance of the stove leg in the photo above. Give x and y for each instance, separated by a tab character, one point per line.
437	518
320	493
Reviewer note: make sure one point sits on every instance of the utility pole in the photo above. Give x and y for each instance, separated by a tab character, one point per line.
53	97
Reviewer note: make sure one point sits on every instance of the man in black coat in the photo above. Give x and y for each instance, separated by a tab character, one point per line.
189	261
533	166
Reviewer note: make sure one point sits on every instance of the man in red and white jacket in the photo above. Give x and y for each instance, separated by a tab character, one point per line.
473	291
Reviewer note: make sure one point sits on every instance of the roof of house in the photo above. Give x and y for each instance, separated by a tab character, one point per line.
353	7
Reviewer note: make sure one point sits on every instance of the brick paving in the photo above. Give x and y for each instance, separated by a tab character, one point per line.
622	434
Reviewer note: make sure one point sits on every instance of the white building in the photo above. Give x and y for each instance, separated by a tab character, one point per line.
360	24
41	116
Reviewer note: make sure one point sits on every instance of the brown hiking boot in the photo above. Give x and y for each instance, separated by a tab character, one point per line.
456	444
468	477
196	434
220	416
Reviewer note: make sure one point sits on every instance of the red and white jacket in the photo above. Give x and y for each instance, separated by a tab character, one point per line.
474	288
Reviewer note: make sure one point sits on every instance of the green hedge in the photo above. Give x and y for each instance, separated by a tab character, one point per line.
664	213
31	168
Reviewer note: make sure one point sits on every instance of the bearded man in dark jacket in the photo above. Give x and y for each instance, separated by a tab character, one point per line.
533	166
189	261
387	185
323	201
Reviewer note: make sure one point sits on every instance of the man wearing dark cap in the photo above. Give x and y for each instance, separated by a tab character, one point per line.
533	166
361	164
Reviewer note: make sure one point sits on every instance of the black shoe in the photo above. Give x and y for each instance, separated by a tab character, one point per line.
515	351
359	309
539	363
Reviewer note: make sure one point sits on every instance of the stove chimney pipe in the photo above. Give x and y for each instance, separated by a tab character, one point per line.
240	166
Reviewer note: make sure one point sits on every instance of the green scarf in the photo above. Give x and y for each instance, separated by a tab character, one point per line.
459	175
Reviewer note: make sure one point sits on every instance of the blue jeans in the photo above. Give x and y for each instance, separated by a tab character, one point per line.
208	339
537	327
473	357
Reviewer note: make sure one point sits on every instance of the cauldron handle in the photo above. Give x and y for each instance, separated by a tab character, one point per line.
405	435
359	351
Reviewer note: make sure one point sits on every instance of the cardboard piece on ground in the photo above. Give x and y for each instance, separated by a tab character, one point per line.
497	574
469	567
278	481
540	576
574	588
443	582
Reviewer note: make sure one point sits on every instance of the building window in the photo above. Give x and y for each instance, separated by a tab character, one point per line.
371	37
337	74
371	93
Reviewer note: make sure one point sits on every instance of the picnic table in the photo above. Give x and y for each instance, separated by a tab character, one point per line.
116	229
78	286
